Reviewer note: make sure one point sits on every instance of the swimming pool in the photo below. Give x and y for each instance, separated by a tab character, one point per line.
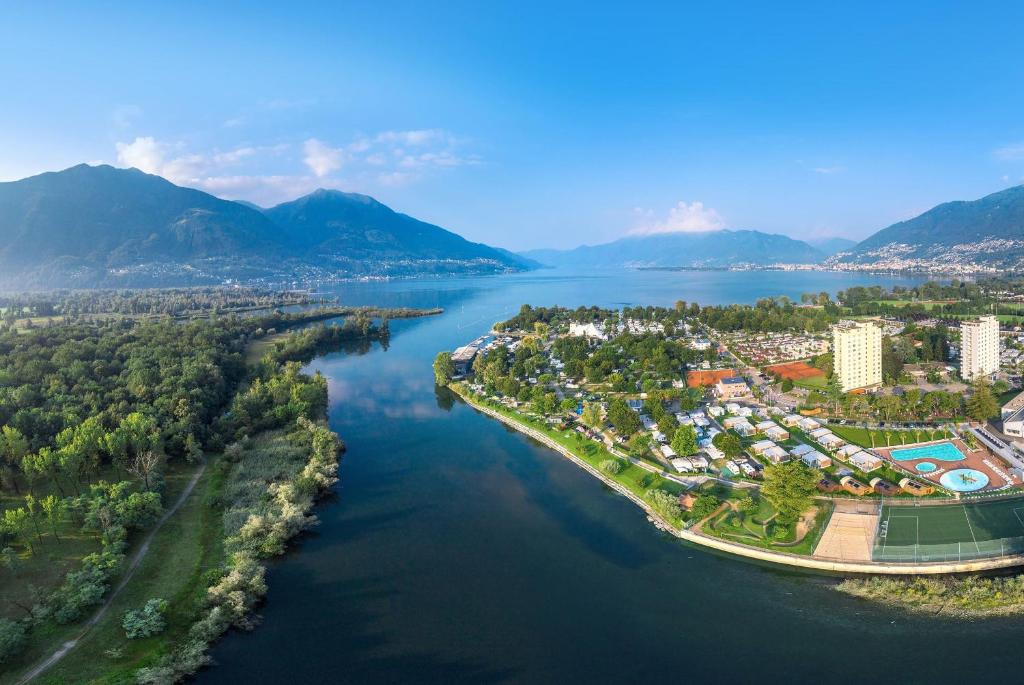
925	467
941	451
963	480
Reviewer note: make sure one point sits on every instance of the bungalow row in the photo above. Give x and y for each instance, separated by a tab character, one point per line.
688	464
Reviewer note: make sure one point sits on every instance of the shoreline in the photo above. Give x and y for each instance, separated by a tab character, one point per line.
743	551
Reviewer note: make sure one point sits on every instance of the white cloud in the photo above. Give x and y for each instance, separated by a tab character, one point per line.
321	158
683	218
1009	153
829	170
143	153
254	172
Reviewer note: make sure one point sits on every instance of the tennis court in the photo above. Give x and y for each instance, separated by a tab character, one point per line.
950	532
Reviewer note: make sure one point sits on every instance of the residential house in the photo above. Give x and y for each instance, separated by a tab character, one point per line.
816	459
777	434
761	446
854	486
912	487
831	442
883	487
808	424
865	461
776	454
791	420
731	387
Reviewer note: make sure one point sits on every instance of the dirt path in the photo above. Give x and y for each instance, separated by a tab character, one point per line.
129	573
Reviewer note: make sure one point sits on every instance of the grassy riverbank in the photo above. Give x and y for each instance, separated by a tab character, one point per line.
968	597
636	479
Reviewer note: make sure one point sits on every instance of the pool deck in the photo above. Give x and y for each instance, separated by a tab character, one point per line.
992	465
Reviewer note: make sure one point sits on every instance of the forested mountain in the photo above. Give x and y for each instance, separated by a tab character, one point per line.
988	232
98	225
831	246
707	249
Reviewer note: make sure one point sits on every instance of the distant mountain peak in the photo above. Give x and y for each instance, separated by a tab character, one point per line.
718	248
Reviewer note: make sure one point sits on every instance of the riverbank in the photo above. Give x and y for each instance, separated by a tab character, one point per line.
968	597
736	549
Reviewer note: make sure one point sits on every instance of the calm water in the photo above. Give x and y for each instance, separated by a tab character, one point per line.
456	550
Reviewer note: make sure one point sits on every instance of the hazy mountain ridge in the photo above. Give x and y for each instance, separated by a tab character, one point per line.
101	226
975	235
705	249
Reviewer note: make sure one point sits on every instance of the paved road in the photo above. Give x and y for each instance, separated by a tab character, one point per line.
133	566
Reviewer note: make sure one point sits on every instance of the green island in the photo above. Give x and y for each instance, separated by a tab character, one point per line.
155	448
737	427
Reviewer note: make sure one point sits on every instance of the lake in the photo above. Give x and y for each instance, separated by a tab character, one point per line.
456	550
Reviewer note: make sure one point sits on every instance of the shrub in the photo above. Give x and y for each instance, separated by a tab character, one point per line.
147	621
12	638
665	503
611	466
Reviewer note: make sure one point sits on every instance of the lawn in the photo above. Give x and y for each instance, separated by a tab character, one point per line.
885	437
750	529
811	382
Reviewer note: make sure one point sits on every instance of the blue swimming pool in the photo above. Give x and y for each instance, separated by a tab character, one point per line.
941	451
925	466
963	480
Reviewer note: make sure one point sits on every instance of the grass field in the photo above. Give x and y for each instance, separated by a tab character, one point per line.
885	438
929	533
811	382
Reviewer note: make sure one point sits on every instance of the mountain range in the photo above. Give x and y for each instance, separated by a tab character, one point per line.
985	234
101	226
710	249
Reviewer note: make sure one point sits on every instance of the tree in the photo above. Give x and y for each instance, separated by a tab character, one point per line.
787	385
13	448
143	466
834	392
12	638
982	405
730	444
53	509
789	487
147	621
17	522
685	441
610	466
592	414
703	506
624	419
640	445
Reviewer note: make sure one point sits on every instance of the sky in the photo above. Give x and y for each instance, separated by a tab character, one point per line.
529	125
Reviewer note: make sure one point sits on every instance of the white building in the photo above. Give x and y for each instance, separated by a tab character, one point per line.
857	354
979	347
588	330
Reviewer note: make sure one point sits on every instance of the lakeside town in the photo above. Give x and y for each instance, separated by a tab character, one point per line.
796	428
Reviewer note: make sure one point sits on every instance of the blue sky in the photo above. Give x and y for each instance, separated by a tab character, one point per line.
531	125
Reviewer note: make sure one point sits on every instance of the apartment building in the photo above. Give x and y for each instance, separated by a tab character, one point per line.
979	347
857	354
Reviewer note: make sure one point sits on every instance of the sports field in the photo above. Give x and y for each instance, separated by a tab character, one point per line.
950	532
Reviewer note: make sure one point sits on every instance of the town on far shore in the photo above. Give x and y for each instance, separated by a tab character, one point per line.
805	430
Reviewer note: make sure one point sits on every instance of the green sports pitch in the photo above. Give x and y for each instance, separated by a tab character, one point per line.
950	532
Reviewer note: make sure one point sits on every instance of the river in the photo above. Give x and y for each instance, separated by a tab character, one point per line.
456	550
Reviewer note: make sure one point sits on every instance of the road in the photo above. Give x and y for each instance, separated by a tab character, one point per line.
129	573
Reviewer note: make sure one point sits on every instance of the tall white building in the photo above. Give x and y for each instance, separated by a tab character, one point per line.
857	354
979	347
